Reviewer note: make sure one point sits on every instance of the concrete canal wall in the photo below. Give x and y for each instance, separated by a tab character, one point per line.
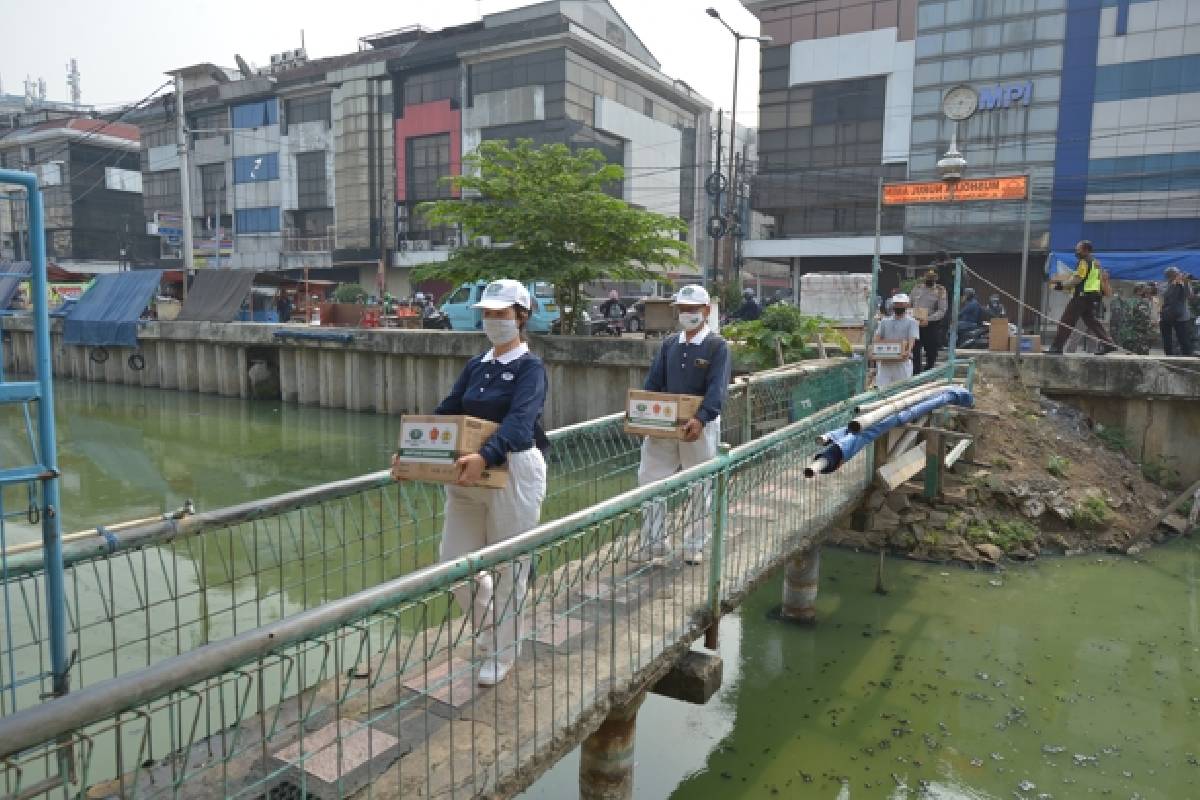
383	370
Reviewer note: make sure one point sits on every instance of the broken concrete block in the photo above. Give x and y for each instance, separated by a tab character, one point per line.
885	520
693	679
990	552
1033	508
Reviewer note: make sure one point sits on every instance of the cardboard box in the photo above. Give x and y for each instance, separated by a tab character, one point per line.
998	335
658	414
921	314
885	350
430	444
1025	344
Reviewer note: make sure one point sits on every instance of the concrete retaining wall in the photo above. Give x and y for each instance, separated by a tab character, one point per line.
386	371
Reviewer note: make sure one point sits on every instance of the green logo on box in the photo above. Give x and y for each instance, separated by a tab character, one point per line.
415	434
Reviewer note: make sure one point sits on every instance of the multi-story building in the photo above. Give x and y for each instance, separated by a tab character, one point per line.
326	162
91	190
1098	102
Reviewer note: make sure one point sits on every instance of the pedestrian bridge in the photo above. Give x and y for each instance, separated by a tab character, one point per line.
306	645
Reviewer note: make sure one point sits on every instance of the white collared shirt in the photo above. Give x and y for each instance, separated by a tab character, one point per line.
701	335
510	356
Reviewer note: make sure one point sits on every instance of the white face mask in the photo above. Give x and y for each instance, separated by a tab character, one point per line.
691	320
500	331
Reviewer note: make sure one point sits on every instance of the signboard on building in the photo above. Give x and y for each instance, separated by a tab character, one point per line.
1005	95
1004	187
169	228
122	180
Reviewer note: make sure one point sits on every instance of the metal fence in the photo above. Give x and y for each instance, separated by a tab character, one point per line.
374	693
139	594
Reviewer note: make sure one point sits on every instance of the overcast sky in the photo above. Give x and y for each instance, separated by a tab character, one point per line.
124	47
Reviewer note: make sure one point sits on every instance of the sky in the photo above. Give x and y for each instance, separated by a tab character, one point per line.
124	47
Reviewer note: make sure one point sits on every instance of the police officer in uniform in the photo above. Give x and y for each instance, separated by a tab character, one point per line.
506	385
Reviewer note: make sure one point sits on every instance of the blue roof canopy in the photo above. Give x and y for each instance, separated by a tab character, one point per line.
1130	265
108	313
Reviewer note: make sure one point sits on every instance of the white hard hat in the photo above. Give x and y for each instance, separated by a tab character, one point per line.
503	294
691	295
901	298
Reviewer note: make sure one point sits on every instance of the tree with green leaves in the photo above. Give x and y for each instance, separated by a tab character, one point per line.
549	218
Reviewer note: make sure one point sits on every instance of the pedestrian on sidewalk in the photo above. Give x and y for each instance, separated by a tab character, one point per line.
1087	284
506	385
1175	323
928	296
696	362
900	327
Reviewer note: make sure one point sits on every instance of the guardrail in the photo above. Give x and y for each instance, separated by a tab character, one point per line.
377	688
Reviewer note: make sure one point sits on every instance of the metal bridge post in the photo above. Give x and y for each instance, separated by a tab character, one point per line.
606	756
720	512
800	584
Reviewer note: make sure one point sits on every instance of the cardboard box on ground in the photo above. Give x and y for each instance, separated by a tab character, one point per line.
998	335
659	414
430	444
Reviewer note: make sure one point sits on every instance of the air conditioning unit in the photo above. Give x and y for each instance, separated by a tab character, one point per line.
420	245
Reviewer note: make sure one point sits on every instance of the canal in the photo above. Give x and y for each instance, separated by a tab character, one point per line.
1068	678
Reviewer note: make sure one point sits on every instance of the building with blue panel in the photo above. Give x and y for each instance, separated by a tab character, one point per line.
1127	168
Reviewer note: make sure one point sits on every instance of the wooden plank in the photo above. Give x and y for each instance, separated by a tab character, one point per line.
956	452
935	450
939	431
903	467
1174	504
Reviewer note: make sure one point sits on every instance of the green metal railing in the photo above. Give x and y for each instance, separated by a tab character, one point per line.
373	693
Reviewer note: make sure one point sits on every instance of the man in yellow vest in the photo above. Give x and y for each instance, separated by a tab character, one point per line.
1088	283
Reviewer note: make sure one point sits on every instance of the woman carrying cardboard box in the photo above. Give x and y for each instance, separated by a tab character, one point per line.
506	385
696	362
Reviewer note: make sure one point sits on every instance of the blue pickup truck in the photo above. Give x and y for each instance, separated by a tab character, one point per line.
458	307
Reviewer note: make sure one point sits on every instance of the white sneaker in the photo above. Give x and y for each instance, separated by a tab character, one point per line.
693	557
493	671
650	552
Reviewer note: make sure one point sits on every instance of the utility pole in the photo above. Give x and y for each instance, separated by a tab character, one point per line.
185	182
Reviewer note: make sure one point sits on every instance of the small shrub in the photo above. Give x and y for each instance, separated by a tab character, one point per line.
978	533
1001	463
1058	466
1013	533
1113	438
1159	471
350	293
1091	513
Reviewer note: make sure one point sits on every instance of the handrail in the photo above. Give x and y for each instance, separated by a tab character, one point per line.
48	721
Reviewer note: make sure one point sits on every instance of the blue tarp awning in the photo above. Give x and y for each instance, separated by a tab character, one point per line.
108	313
1130	265
11	275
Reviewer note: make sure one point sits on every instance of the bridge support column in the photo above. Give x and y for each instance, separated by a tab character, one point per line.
606	757
800	584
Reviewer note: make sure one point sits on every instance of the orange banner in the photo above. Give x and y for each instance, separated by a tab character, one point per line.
1009	187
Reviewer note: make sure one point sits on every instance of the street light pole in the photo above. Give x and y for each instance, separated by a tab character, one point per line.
185	182
730	214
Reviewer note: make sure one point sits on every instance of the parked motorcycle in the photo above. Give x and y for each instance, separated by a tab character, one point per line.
973	337
433	318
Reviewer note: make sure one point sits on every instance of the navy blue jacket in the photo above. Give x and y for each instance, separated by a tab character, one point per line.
511	394
698	369
972	313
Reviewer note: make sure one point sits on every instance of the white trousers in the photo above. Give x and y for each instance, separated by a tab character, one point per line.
889	372
662	458
476	517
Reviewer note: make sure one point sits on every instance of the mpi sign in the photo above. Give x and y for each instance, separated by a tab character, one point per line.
1005	95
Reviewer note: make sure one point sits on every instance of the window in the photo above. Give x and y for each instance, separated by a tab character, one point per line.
314	108
205	124
160	185
159	136
428	162
311	189
253	169
256	115
461	295
212	189
257	220
426	87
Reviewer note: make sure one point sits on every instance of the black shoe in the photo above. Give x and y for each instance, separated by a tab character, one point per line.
1053	352
1108	348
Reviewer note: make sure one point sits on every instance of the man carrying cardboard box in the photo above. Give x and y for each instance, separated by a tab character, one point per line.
696	362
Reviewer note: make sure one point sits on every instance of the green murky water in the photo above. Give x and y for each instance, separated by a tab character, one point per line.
1070	678
1066	679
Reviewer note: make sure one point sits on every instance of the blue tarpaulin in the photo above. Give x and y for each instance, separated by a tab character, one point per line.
11	275
845	445
1129	265
108	313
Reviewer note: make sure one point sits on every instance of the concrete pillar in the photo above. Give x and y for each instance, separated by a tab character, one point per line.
185	367
168	366
333	370
800	584
206	367
242	385
150	373
228	384
606	757
288	385
309	377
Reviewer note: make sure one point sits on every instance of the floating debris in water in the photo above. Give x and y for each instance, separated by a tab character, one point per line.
983	676
1085	761
995	583
976	762
997	757
1026	785
1053	749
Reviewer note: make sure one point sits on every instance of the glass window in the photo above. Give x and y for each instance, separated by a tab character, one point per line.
159	136
311	189
956	69
929	44
204	124
1014	62
958	11
1048	58
1045	88
314	108
957	41
927	74
985	67
925	130
428	162
161	188
1017	32
1051	26
1043	119
256	115
986	36
926	102
931	15
212	189
461	295
443	84
253	169
800	114
257	220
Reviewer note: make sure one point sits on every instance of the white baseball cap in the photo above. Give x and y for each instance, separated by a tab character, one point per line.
901	298
503	294
691	295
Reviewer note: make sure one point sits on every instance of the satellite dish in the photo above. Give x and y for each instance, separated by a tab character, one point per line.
243	66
